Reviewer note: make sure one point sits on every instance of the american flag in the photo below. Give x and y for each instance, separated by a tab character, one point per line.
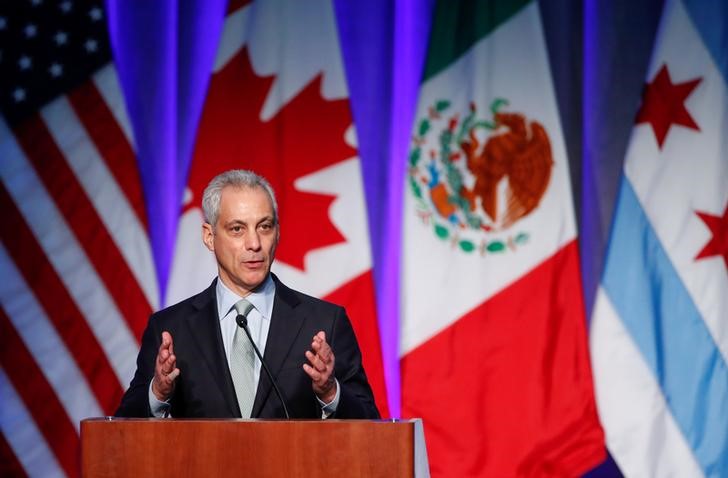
77	280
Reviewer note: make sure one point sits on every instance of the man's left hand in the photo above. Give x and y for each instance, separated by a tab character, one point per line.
320	368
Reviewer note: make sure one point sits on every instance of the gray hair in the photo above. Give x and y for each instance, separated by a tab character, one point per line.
238	178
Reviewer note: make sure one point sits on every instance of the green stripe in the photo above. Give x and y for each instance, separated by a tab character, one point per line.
458	24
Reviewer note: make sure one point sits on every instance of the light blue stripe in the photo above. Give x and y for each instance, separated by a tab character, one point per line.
662	319
710	18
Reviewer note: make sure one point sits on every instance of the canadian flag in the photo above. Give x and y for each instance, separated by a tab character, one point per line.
278	104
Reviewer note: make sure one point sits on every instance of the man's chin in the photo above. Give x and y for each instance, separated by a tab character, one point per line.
255	280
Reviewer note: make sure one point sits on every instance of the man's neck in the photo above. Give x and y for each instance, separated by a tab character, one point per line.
240	291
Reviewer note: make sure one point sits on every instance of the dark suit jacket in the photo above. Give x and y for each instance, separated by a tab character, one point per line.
204	387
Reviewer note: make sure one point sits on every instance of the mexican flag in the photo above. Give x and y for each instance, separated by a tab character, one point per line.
278	104
494	353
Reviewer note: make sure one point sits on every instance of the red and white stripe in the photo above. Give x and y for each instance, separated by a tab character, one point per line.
78	278
25	442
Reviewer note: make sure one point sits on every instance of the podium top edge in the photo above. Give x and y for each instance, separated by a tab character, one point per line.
246	420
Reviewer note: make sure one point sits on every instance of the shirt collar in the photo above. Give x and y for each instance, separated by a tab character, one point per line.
262	298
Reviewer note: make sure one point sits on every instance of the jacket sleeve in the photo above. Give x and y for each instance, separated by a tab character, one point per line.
356	398
135	402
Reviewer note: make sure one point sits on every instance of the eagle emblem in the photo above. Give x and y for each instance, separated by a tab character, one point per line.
474	179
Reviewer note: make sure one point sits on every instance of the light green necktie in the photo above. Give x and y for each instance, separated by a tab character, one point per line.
242	363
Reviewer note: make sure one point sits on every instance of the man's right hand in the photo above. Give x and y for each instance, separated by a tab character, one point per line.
165	369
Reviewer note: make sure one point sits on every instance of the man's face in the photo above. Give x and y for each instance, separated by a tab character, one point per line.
244	239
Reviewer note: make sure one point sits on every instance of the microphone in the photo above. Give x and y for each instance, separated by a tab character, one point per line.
242	322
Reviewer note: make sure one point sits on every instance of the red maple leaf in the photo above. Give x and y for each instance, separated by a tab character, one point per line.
718	244
663	104
306	135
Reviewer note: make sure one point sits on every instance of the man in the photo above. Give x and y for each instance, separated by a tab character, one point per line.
196	361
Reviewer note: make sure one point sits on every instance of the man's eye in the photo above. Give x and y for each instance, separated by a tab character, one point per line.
236	229
266	227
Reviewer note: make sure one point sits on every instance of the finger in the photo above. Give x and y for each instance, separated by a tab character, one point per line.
173	375
325	353
166	339
323	345
320	365
317	362
164	347
316	343
312	373
319	338
169	365
162	353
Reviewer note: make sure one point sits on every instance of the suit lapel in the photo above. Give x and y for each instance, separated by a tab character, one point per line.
205	327
285	325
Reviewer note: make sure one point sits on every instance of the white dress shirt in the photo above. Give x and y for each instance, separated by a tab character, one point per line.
258	317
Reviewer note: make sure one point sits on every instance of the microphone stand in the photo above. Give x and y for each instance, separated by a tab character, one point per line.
242	322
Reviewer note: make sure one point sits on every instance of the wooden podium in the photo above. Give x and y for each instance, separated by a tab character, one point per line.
113	447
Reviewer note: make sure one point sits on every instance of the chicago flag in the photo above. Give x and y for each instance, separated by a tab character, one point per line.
278	104
493	341
659	336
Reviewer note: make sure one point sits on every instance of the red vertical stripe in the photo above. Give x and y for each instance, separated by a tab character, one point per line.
83	219
59	306
39	398
9	464
507	389
111	143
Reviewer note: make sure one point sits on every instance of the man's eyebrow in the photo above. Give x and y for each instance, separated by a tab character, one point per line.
234	222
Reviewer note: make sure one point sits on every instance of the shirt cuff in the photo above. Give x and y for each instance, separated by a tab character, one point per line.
159	409
327	409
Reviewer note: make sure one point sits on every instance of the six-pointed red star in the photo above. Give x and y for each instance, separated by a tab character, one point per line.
663	104
718	244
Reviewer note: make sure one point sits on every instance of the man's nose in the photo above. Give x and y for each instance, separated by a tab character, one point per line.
252	241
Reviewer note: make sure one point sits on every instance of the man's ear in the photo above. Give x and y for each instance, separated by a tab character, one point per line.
207	237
